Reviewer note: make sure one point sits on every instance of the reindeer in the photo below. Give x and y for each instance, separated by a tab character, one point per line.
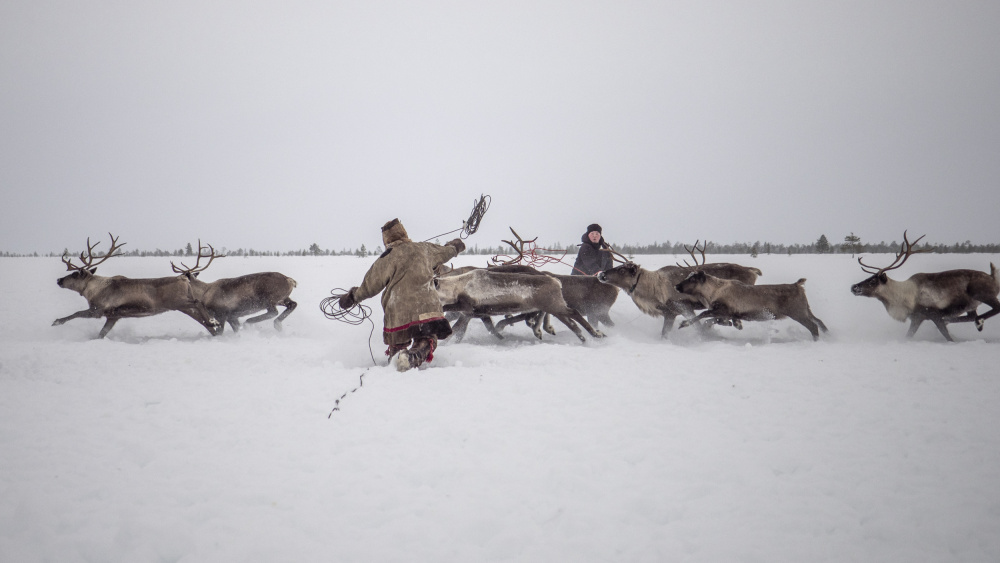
480	293
945	297
585	294
730	302
231	298
119	297
654	291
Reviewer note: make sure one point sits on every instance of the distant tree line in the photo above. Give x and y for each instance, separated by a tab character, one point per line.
851	244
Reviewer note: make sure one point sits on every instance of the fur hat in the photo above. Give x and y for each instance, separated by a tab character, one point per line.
593	227
393	231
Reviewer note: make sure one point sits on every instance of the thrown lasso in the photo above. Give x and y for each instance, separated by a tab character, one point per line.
471	225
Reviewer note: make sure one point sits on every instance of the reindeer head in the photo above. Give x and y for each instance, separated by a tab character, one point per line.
871	286
690	284
625	276
193	271
81	274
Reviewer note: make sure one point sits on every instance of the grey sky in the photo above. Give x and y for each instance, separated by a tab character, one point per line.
273	125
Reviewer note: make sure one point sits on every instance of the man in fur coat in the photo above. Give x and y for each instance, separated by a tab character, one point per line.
404	274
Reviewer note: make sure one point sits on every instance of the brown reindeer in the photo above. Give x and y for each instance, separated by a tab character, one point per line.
654	291
731	301
945	297
481	292
231	298
119	297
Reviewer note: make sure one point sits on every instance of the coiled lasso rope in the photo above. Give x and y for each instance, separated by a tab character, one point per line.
470	225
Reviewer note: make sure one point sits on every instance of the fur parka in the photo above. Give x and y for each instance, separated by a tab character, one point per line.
404	274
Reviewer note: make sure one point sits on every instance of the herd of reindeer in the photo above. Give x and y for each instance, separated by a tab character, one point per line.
725	294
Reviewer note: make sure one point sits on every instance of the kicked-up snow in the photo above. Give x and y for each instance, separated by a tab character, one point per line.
162	443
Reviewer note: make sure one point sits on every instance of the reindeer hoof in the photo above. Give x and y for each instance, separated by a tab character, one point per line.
58	322
979	324
599	334
684	324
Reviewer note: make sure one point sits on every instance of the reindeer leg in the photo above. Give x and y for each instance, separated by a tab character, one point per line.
509	320
942	326
994	305
694	320
107	327
458	329
671	310
604	318
809	324
668	323
91	313
491	328
271	312
206	319
289	307
915	322
199	312
587	326
820	323
547	323
568	321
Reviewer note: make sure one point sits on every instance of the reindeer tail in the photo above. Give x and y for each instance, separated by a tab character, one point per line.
801	282
994	273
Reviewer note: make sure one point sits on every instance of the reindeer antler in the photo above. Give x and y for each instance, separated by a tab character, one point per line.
197	265
617	256
518	247
905	250
87	260
693	257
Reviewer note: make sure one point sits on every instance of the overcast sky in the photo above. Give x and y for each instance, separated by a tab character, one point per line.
277	124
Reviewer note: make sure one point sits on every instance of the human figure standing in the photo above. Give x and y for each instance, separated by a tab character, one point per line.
594	255
404	274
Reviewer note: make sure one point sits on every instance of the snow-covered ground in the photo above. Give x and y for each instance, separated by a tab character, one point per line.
161	443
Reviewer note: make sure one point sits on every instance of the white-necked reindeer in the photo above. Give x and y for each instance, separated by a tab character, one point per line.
945	297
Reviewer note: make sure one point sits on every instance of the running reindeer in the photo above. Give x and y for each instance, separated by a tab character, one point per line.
585	294
120	297
231	298
945	297
655	293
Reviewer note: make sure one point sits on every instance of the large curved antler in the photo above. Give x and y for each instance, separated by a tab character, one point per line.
87	257
693	257
197	265
617	256
905	250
